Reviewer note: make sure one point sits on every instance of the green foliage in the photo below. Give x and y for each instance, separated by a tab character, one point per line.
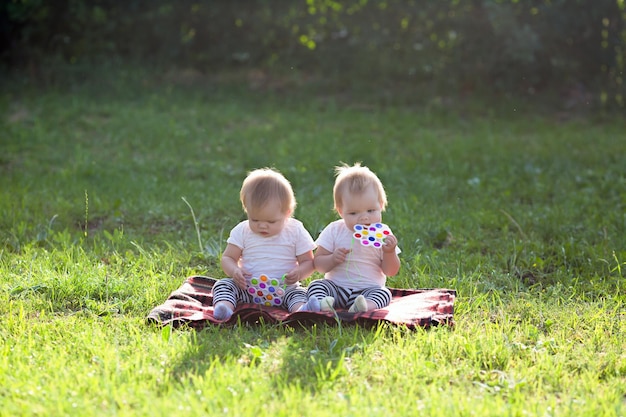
111	193
463	46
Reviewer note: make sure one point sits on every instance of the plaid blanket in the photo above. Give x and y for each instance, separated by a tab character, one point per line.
192	304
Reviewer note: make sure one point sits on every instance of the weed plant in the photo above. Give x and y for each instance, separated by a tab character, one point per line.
110	195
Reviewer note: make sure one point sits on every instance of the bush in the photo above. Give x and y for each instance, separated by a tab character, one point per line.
461	45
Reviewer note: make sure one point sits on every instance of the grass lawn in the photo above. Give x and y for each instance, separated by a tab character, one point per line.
523	213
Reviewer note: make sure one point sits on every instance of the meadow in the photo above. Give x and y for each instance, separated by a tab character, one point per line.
112	191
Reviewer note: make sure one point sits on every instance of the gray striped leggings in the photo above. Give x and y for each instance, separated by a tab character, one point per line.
344	297
226	290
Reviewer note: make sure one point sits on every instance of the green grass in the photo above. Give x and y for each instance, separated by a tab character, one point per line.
111	195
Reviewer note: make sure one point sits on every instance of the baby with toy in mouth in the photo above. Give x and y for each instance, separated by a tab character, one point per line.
355	274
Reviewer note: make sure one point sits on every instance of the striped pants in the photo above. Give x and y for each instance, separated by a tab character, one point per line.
226	290
344	297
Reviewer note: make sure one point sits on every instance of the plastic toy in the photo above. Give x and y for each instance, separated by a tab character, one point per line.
267	291
373	235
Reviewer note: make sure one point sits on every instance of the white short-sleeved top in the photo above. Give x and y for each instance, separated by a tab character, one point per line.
362	268
273	256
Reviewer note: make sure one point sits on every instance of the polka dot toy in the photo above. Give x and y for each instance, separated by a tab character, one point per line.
373	235
266	291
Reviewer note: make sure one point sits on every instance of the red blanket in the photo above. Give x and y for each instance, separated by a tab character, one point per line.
192	304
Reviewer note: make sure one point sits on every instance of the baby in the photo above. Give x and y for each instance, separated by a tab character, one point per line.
355	275
271	243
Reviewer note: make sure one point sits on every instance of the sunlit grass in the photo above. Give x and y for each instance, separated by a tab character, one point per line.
109	199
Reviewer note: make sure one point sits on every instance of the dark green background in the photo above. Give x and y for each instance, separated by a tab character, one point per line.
572	48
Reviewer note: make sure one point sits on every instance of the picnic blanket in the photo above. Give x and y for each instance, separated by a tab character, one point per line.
192	305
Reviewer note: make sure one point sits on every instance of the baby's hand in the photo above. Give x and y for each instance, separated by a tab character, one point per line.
390	244
239	277
292	276
340	254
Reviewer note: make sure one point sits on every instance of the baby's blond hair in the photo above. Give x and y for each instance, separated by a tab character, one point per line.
356	179
266	184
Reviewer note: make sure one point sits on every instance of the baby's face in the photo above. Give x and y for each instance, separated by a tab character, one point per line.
267	221
363	208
